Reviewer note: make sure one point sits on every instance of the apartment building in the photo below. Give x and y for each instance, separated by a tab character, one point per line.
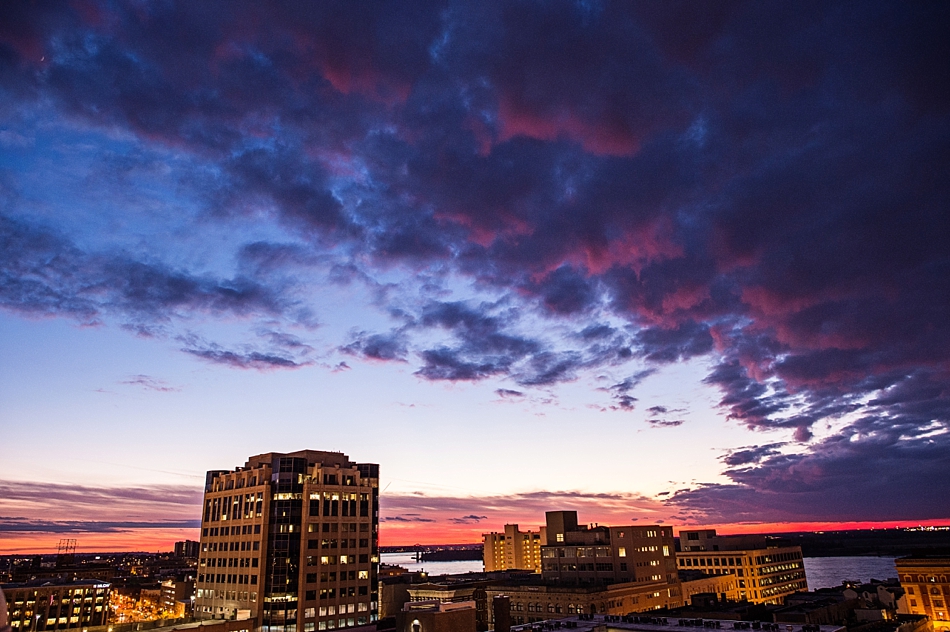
51	604
583	554
290	540
926	580
513	549
767	569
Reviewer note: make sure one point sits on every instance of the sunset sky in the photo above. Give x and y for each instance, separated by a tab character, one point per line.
685	263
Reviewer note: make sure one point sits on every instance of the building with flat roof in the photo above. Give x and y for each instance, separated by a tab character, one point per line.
291	541
540	600
436	616
186	548
766	569
49	604
594	554
638	623
926	580
513	549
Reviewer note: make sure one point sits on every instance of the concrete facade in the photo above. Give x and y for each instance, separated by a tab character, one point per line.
577	554
926	581
513	549
766	572
56	605
291	542
436	616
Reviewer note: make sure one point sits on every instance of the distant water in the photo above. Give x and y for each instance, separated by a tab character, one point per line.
821	572
432	568
828	572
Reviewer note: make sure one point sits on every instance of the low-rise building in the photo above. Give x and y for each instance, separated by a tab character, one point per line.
436	616
648	623
178	597
541	601
767	569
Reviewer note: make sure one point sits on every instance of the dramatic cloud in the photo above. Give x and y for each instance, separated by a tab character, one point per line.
25	525
53	506
533	193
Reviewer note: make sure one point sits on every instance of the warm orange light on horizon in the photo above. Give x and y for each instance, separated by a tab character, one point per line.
163	540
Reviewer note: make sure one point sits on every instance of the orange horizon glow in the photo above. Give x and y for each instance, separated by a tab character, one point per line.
163	540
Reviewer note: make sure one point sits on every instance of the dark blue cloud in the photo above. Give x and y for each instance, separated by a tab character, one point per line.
761	186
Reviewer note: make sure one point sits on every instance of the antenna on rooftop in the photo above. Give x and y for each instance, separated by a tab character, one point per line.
66	552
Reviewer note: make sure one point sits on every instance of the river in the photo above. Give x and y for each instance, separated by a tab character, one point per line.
821	572
827	572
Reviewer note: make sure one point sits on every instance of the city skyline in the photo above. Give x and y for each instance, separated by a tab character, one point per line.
680	264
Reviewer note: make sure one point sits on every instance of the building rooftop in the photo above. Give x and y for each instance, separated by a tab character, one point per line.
611	623
56	582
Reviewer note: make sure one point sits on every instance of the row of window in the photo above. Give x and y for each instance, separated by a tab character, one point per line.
647	533
228	562
50	624
933	591
778	568
932	579
18	600
333	593
331	576
345	608
579	551
570	567
238	483
337	559
227	578
338	527
787	588
53	612
778	557
224	595
333	543
244	506
711	561
237	545
781	579
238	529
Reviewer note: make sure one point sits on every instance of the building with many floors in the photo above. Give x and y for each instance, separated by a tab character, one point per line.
767	569
513	549
926	580
290	541
593	554
50	604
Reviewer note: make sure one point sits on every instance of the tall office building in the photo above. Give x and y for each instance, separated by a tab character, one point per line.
513	549
291	541
767	569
